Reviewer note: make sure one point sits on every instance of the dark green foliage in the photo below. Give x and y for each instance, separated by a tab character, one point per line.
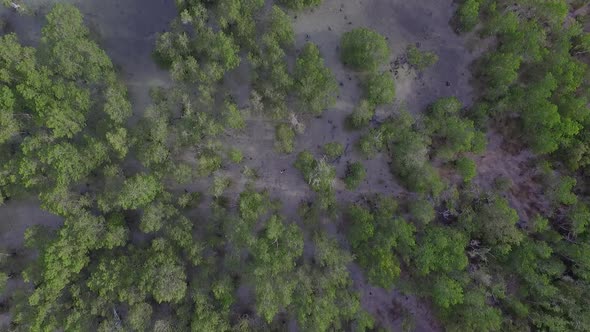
364	49
420	60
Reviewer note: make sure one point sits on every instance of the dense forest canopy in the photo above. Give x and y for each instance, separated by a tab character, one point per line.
157	234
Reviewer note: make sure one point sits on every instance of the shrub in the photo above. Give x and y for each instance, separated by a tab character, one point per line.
466	168
420	60
380	89
364	49
333	150
355	174
361	115
285	136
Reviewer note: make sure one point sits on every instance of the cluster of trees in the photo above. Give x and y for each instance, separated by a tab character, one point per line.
366	51
130	254
136	251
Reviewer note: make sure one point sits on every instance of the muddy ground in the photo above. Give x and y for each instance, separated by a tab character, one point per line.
127	30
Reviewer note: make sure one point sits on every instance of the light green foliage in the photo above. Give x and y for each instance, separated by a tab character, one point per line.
579	218
314	83
466	168
206	318
377	238
447	292
220	183
333	150
232	116
274	254
499	71
138	191
561	190
355	174
285	138
280	27
252	205
67	48
235	155
364	49
139	316
467	15
421	211
494	222
409	152
3	281
163	276
361	115
473	314
155	215
441	250
420	60
362	226
327	276
208	162
300	4
379	89
319	175
451	134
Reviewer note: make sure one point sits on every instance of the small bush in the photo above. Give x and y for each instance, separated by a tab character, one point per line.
420	60
364	49
235	156
333	150
285	138
467	15
467	168
380	89
360	116
355	174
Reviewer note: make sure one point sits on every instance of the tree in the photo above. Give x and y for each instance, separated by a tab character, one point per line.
300	4
140	316
466	168
314	83
274	253
441	249
499	71
494	222
447	292
467	15
379	89
421	211
138	191
355	174
364	49
420	60
285	136
361	115
333	150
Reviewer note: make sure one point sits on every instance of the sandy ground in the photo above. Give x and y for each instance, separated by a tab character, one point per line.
127	31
